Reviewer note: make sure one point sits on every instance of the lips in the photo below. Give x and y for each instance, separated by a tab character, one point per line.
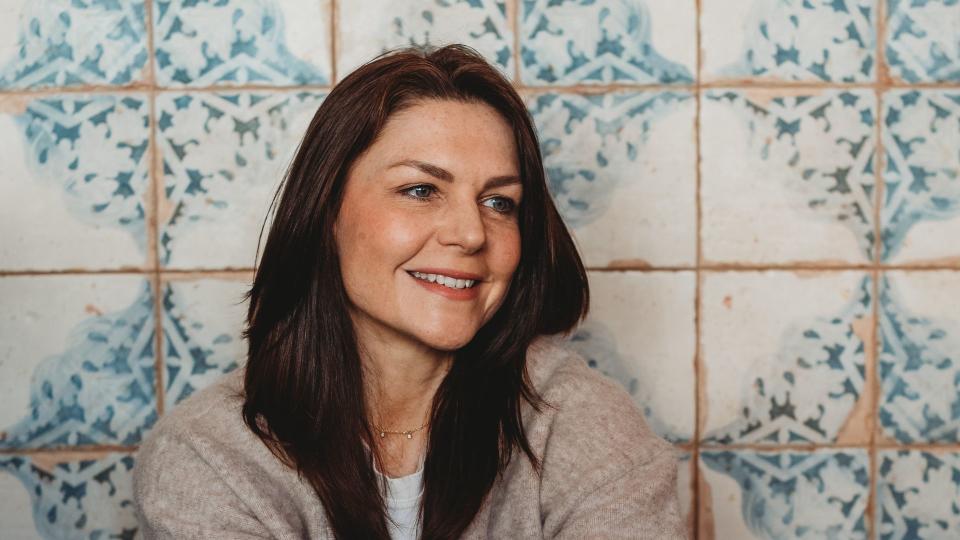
447	285
456	274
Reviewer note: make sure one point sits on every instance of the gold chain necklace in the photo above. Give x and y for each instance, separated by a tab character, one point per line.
409	433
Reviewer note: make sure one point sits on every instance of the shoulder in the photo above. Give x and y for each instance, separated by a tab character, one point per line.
198	432
590	416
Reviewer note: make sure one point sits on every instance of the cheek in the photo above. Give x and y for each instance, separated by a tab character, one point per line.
375	237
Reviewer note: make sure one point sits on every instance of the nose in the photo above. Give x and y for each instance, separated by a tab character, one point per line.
462	226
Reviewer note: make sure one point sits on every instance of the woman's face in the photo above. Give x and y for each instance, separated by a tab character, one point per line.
427	234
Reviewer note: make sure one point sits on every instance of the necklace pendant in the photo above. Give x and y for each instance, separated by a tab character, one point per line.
383	434
409	435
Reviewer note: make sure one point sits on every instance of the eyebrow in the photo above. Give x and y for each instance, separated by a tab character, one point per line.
442	174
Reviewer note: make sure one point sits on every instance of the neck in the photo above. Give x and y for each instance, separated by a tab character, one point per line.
401	377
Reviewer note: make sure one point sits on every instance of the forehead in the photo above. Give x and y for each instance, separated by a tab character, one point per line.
450	134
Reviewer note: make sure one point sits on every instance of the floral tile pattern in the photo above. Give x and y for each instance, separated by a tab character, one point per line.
651	357
794	40
88	344
785	377
918	365
202	321
81	160
918	494
807	160
47	43
622	157
223	156
604	41
230	42
70	496
481	24
922	40
820	494
922	174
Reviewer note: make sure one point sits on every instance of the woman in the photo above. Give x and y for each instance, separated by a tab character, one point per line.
398	383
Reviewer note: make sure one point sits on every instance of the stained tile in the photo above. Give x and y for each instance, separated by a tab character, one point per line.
621	169
230	42
606	41
640	332
788	176
923	44
54	43
749	494
202	321
919	369
73	182
76	360
918	494
67	495
921	175
784	358
369	28
224	155
789	40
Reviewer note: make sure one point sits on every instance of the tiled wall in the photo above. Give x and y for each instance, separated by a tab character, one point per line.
767	193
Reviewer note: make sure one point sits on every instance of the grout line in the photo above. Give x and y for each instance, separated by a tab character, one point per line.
515	14
882	79
156	181
334	14
68	450
580	88
699	407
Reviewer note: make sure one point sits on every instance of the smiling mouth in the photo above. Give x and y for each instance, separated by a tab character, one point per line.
446	281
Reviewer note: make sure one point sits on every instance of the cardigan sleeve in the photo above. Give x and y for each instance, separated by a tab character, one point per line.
639	502
179	495
605	473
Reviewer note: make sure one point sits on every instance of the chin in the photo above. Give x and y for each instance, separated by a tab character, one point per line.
447	342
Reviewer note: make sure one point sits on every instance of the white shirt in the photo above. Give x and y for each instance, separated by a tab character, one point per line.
403	505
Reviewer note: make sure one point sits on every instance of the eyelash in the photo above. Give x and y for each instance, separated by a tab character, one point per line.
407	192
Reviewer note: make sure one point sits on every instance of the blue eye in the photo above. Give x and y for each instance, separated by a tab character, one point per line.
502	205
421	191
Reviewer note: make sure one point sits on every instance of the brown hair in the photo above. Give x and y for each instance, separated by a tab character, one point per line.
304	384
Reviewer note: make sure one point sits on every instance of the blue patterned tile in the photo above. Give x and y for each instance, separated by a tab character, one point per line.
923	44
793	40
622	158
83	346
80	162
230	42
71	43
820	494
223	156
784	358
919	365
605	41
918	495
202	321
371	27
788	176
70	496
922	175
640	333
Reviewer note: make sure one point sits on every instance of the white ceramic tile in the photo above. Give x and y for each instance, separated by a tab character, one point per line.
640	332
795	40
787	176
224	155
76	360
783	357
74	181
622	172
369	28
202	323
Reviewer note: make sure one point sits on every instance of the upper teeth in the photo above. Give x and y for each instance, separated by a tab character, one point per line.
446	281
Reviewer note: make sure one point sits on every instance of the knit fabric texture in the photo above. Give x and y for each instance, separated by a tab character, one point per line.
201	473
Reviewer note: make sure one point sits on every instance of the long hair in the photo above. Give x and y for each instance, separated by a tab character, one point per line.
303	388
